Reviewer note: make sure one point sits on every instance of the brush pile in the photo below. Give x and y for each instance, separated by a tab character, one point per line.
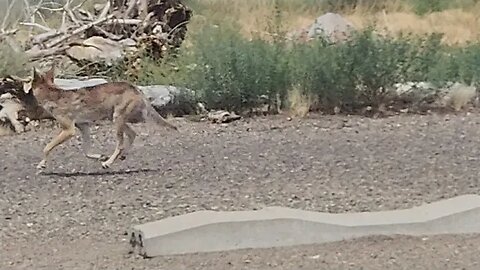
108	31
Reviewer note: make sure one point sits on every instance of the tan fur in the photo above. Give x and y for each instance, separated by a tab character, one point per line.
120	102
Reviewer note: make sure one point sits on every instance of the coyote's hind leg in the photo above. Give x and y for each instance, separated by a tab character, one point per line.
131	135
119	130
87	142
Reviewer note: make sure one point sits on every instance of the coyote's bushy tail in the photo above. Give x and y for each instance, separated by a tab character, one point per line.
151	114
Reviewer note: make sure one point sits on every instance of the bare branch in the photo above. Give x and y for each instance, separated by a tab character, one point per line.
7	15
105	10
86	15
44	28
130	7
70	13
143	9
50	9
107	34
64	21
79	5
36	54
76	32
38	39
124	21
8	33
39	13
27	8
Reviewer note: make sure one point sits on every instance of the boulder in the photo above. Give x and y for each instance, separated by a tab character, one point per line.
167	99
455	95
69	84
331	26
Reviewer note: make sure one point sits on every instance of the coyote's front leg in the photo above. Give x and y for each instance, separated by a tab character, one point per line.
68	131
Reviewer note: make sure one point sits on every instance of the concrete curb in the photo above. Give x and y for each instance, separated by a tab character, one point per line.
209	231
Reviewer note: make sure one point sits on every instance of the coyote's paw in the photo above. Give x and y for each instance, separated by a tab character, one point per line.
98	157
106	165
42	165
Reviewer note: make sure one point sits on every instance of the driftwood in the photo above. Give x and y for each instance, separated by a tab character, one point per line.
155	25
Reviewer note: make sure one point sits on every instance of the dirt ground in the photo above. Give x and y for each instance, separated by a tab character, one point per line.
76	215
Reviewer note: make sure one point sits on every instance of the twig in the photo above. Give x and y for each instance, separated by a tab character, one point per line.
7	15
86	15
176	26
124	21
64	20
35	54
44	28
107	34
76	32
39	13
105	10
70	13
79	5
51	9
130	6
143	9
8	33
38	39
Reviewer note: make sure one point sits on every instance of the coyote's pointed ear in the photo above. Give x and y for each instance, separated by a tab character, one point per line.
37	78
50	75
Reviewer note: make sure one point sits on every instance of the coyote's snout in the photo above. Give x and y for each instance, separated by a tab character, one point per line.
120	102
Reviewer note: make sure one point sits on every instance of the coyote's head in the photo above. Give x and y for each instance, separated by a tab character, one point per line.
43	84
20	91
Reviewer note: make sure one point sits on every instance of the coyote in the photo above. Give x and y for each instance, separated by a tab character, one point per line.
120	102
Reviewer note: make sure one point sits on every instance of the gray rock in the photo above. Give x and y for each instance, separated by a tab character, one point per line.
69	84
456	95
331	26
160	95
169	99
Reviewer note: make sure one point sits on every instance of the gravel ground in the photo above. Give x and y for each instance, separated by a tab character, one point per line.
76	214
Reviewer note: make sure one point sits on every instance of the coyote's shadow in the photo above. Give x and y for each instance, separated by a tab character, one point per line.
99	173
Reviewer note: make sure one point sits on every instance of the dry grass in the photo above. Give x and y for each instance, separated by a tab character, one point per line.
460	96
254	16
299	103
459	26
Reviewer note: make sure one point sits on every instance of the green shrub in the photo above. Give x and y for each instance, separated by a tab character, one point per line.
422	7
457	64
226	71
357	73
232	73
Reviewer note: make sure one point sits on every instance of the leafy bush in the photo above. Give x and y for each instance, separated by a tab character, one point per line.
233	73
457	65
422	7
358	73
227	71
